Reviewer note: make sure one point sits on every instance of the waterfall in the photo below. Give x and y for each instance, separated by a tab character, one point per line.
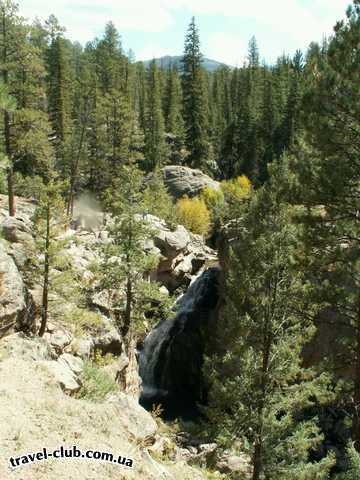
170	363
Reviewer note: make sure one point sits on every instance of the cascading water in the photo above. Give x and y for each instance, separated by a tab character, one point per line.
170	363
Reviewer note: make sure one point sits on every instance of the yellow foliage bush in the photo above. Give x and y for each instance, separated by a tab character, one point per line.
237	188
193	214
213	198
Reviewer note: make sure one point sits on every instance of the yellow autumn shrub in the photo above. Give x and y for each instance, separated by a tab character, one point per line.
193	214
237	188
212	197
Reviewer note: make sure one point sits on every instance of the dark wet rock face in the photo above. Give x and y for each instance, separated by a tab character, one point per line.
172	358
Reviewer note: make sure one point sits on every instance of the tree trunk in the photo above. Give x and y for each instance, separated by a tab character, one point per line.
128	309
257	460
258	448
45	299
356	416
10	184
10	172
74	173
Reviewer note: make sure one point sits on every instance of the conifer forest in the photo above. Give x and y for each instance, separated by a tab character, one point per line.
195	234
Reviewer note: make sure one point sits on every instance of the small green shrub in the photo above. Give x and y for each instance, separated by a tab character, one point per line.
215	201
102	360
157	200
27	186
353	471
194	215
96	383
82	320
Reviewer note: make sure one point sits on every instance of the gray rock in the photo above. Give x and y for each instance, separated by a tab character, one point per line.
15	305
82	254
164	291
109	340
235	464
171	243
20	255
184	266
17	229
27	348
62	374
163	446
182	181
137	420
183	254
58	340
203	455
106	299
75	364
81	347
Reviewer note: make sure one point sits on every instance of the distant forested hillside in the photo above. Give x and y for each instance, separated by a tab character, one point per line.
281	143
169	61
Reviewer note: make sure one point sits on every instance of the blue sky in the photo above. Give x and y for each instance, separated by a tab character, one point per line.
152	28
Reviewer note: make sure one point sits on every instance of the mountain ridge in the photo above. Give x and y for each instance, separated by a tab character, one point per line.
175	60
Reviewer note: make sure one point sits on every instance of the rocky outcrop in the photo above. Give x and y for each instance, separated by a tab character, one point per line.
36	412
15	304
17	229
182	181
28	348
65	371
237	466
182	254
140	425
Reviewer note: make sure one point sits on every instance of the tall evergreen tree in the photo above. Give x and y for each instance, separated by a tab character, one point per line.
173	103
194	106
154	130
330	173
49	223
260	387
60	96
25	125
11	37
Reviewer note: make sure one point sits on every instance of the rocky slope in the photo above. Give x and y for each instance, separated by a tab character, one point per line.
41	378
37	413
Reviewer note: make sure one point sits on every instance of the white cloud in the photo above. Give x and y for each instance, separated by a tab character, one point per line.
300	20
83	19
153	51
227	48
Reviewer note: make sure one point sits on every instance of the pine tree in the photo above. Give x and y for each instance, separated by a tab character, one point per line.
220	109
125	263
174	122
110	60
49	223
173	102
84	94
141	94
25	123
328	167
11	36
60	97
154	130
194	103
260	387
253	54
268	126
